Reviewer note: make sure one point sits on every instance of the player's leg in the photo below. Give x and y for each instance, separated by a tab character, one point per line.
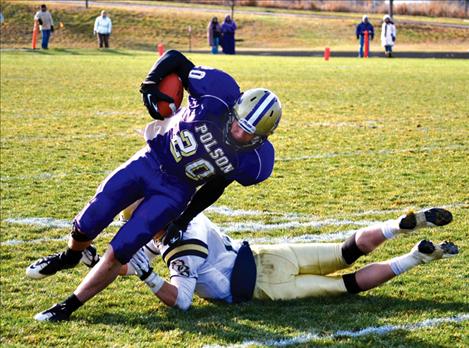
368	239
318	258
362	42
153	214
120	189
376	274
301	286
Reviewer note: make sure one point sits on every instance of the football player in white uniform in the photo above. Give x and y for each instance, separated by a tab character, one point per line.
210	264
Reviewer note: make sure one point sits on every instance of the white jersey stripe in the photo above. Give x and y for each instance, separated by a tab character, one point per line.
219	99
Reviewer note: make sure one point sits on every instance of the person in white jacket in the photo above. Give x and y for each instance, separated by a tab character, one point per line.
46	24
388	35
103	28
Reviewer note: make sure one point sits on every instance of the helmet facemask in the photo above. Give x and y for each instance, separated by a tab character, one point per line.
256	141
258	111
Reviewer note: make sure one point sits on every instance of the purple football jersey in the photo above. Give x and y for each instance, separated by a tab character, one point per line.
191	144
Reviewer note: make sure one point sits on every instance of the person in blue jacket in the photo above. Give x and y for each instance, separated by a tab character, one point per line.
365	25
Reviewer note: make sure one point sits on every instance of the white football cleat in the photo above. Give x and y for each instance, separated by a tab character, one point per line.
426	251
432	217
57	312
50	265
46	266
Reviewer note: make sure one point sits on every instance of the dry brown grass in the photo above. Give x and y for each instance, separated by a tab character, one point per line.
443	8
435	9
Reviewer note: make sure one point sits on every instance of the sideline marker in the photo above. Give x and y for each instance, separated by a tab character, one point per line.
35	32
160	49
367	44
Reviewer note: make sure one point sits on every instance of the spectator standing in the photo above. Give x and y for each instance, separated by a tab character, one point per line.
364	26
46	25
228	29
103	28
214	34
388	35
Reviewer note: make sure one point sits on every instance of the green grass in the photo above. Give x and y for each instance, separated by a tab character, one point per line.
396	132
144	28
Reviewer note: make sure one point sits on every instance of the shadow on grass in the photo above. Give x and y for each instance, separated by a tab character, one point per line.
263	321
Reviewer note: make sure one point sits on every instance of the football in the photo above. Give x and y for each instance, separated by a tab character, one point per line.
171	85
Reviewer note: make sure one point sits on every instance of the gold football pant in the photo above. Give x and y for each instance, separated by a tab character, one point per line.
292	271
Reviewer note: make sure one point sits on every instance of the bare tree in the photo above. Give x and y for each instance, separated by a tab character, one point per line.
232	4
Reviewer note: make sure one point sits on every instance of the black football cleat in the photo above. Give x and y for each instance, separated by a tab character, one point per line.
425	218
426	251
57	312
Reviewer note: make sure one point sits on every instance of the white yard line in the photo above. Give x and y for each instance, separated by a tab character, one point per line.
308	337
293	222
259	226
304	238
233	227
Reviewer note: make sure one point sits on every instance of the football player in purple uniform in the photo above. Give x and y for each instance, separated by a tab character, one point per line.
219	138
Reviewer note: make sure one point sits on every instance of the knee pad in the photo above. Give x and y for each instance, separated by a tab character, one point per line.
350	250
78	235
350	282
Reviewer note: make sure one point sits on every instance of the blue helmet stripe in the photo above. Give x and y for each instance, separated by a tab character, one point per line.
258	111
259	103
266	108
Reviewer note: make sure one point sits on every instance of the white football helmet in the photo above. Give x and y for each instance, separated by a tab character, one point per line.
258	112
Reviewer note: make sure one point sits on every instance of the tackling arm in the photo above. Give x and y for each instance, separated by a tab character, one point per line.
203	198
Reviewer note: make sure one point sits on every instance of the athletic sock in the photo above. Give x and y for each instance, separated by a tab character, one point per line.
72	303
72	257
404	263
390	228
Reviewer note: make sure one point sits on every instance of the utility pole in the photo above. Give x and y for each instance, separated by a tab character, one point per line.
86	3
232	8
390	8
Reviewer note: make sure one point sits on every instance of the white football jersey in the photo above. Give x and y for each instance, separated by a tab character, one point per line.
202	260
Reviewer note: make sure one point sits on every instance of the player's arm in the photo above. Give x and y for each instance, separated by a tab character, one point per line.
203	198
172	62
256	166
180	291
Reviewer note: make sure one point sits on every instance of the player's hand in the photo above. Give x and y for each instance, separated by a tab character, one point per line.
141	265
173	233
151	96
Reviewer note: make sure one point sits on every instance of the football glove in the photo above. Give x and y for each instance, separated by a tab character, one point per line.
90	256
151	96
144	271
173	234
141	264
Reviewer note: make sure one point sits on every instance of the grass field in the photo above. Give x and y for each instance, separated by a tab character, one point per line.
143	28
360	141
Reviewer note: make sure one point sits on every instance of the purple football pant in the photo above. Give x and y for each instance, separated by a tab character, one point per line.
165	198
